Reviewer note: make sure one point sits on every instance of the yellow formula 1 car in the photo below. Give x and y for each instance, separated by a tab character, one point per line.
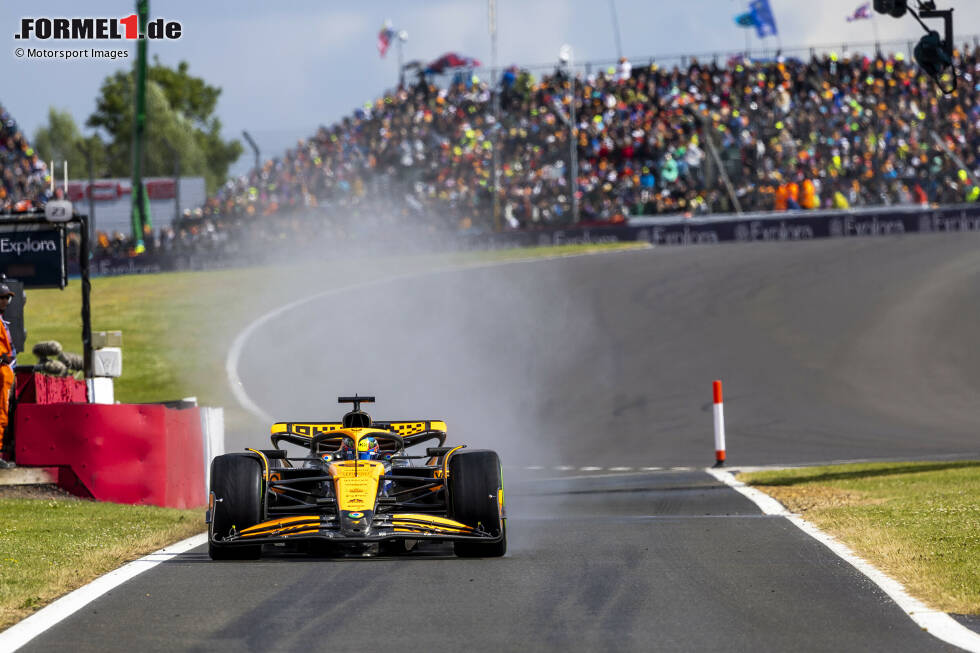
356	491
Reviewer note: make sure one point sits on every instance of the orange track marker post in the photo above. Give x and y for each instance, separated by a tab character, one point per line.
719	411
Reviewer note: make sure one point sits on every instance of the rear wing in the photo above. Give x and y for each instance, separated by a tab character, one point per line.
412	432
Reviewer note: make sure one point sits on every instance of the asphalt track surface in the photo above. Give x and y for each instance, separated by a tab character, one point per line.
830	350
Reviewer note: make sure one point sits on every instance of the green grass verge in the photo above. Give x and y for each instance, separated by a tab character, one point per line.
161	317
51	546
917	522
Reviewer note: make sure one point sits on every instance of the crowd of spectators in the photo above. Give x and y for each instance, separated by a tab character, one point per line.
703	138
831	132
24	175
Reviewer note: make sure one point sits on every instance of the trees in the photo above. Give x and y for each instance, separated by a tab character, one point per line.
180	118
60	140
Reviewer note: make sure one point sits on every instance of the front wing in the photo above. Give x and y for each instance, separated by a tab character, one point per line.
404	526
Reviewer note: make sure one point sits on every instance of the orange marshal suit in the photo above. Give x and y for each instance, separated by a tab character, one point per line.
6	377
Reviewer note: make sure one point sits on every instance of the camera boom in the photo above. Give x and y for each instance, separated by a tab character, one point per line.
934	54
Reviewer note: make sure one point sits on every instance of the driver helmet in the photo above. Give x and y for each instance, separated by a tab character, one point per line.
367	448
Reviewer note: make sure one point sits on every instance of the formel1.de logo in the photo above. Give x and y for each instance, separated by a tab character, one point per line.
96	29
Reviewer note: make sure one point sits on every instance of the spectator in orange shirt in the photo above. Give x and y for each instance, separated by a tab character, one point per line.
781	200
793	195
7	361
810	199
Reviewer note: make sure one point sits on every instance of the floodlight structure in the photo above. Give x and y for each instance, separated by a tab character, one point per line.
402	38
255	148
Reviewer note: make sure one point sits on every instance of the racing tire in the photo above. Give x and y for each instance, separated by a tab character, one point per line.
236	479
475	484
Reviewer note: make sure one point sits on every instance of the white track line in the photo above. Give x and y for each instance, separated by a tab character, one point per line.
29	628
600	474
938	624
597	468
238	345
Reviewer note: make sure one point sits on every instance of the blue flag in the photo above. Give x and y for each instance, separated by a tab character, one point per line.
765	22
745	20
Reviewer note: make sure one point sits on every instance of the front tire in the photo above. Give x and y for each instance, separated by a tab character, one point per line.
475	484
236	481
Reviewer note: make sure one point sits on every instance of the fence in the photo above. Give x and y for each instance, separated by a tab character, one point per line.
842	48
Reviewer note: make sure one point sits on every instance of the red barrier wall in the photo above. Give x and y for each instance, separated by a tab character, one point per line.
35	388
124	453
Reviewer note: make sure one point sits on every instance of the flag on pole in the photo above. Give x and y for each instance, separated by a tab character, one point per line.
385	37
861	13
765	22
745	20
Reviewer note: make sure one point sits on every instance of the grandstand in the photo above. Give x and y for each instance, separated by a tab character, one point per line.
697	138
827	132
24	175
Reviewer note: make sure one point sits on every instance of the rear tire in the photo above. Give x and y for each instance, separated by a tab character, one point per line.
236	479
475	482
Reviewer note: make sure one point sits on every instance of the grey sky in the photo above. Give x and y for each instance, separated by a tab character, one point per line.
287	67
